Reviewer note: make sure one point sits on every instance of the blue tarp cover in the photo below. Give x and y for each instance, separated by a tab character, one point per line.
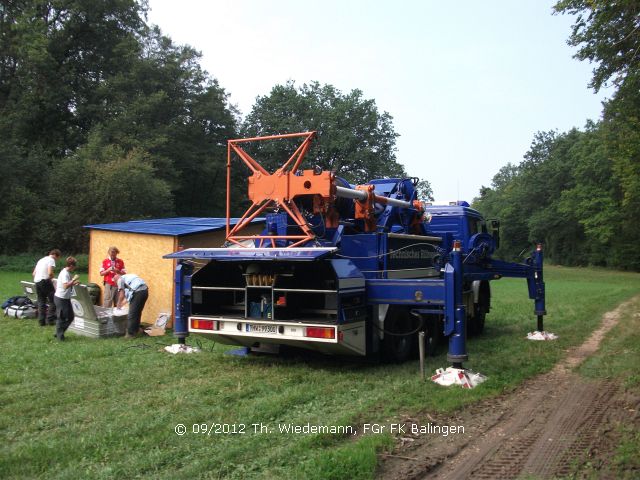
170	226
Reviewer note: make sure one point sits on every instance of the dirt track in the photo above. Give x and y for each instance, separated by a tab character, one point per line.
543	429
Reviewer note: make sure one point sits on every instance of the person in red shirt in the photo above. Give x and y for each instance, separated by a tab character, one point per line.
111	266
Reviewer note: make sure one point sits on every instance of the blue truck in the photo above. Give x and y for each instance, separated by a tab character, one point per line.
346	270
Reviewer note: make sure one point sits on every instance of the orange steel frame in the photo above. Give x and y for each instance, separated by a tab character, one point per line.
278	189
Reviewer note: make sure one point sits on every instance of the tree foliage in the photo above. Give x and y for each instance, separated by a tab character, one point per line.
579	192
102	118
607	32
425	191
354	140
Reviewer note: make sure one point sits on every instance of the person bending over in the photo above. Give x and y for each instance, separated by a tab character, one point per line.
43	279
134	290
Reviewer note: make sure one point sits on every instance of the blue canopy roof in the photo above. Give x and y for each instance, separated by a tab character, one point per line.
170	226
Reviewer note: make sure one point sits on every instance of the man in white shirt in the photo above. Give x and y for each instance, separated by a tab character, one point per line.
43	279
62	297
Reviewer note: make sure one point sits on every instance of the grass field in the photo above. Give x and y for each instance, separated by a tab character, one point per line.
108	408
619	358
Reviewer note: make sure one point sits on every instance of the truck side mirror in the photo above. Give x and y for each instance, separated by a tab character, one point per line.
495	231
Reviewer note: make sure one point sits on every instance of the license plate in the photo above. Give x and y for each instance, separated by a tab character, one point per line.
259	328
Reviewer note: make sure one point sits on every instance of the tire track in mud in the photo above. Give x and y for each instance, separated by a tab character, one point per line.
539	430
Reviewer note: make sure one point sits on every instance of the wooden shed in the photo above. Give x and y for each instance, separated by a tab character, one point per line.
142	243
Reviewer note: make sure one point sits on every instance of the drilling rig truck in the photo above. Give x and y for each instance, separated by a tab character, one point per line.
342	269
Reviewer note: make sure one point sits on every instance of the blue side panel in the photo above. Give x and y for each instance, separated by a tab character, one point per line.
362	250
351	292
450	225
421	293
345	269
254	254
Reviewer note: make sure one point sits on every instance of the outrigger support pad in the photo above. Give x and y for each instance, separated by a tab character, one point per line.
541	335
457	376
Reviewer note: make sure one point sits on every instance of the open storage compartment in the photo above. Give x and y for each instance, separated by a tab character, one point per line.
292	291
218	289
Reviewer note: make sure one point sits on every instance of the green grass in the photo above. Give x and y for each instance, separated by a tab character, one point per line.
619	354
619	358
108	408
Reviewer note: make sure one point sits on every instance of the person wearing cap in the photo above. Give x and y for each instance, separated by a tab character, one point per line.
111	266
43	279
132	289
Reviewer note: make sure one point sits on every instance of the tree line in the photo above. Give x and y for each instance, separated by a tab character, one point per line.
578	192
103	118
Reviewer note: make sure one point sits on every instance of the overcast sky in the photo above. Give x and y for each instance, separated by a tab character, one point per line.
467	83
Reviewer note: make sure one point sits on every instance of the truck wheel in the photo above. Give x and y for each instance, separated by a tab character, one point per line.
397	347
475	323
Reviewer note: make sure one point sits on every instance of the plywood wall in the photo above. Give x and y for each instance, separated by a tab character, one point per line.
203	240
216	238
142	255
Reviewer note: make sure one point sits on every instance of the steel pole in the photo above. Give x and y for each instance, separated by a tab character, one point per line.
421	347
361	195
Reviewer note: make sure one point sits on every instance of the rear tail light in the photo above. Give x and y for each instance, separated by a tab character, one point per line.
200	324
320	332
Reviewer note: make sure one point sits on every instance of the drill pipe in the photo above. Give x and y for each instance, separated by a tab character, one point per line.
362	195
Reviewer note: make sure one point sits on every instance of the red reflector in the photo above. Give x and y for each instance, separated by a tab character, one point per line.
320	332
202	324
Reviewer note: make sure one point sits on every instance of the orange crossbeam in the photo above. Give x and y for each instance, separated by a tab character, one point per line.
279	189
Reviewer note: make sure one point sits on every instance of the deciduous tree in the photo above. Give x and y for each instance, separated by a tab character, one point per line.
355	139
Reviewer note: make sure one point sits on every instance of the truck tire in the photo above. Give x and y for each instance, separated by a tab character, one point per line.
398	343
475	323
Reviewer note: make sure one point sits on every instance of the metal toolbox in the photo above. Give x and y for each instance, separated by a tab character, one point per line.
93	321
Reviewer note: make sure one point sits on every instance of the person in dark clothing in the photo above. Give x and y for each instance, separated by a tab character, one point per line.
43	279
132	289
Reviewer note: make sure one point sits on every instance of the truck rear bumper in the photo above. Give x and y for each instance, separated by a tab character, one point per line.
349	339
